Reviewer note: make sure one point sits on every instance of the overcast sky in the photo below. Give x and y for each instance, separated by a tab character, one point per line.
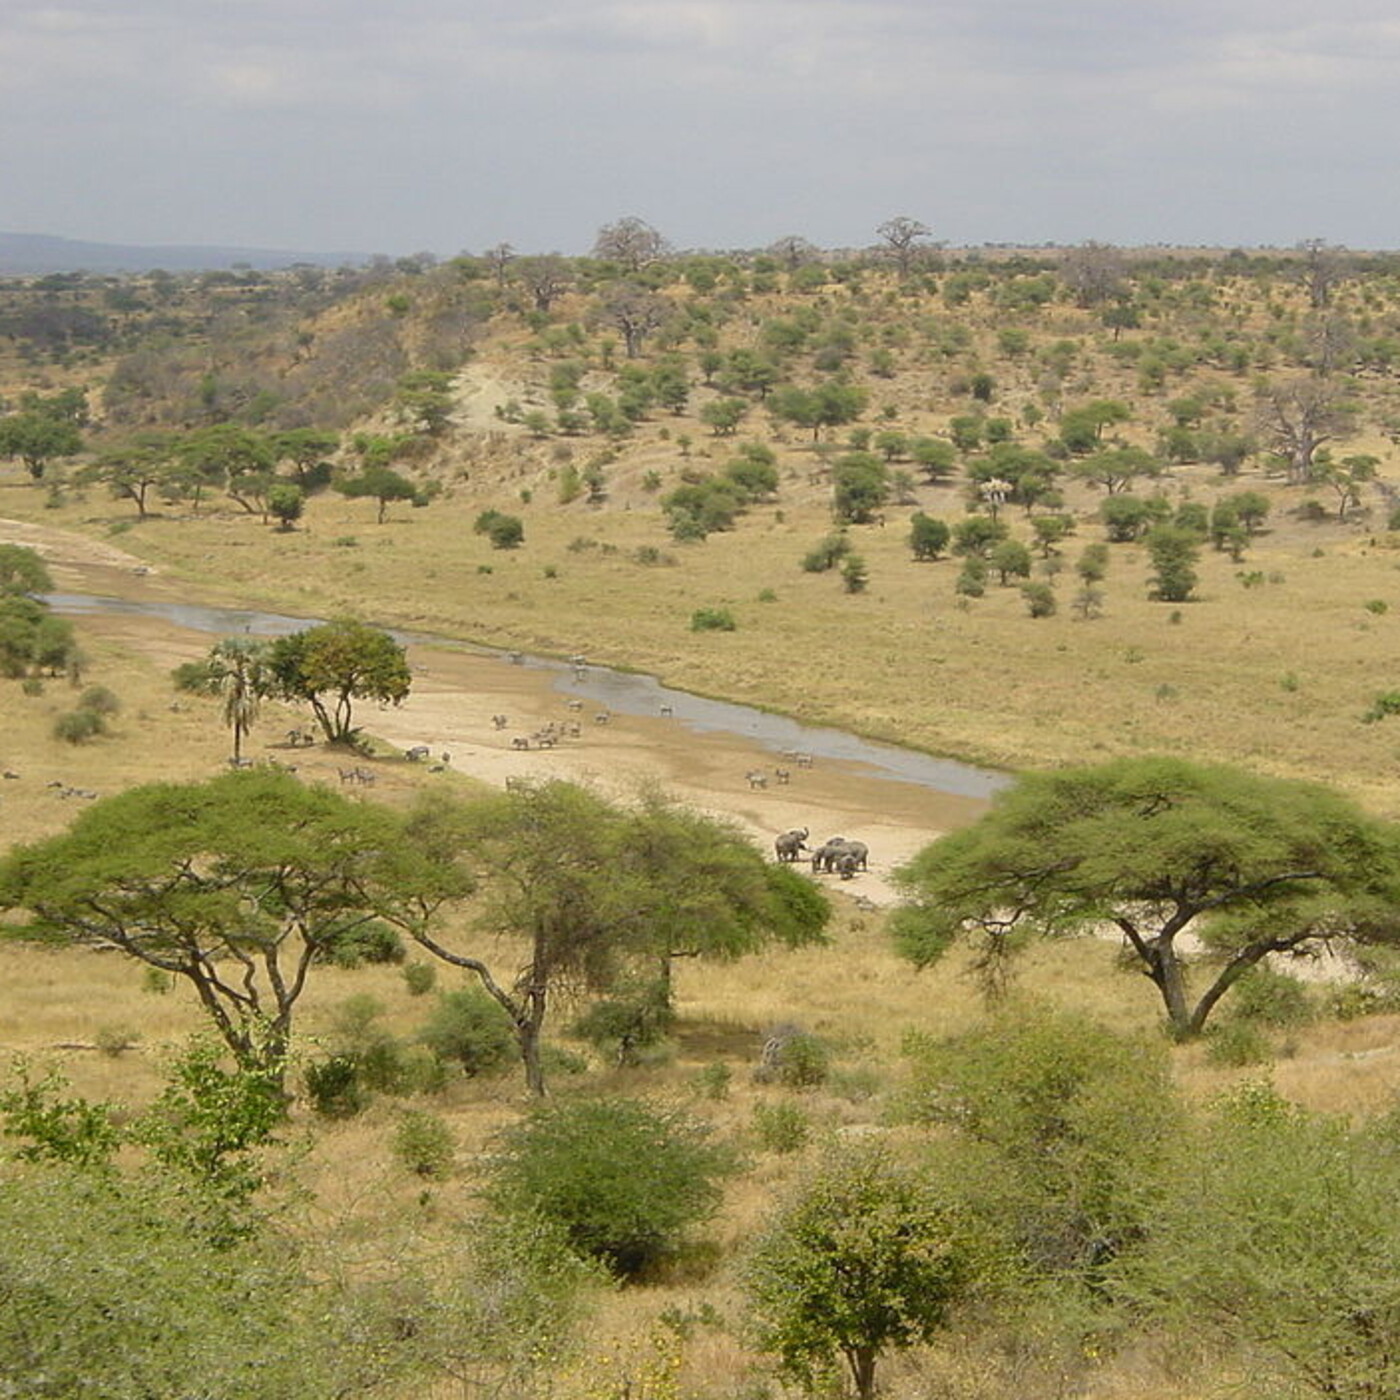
397	126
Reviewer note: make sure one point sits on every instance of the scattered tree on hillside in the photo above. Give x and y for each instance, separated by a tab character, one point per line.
1174	552
1157	849
133	468
1094	272
928	537
636	312
1298	416
902	237
630	241
382	484
860	485
545	277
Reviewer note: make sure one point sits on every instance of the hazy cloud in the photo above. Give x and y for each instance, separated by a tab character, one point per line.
446	124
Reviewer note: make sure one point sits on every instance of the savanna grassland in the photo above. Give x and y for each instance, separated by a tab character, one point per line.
506	385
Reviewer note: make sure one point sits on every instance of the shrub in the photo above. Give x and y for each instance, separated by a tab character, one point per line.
1271	998
78	726
1061	1131
635	1019
623	1179
781	1127
1236	1044
504	531
424	1144
333	1087
471	1030
714	1080
99	700
827	554
712	620
113	1041
370	942
419	978
793	1058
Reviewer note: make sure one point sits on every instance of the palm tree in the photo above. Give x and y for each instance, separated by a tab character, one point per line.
236	672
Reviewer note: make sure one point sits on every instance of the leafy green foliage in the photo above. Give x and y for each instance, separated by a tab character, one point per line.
504	531
712	620
22	570
424	1143
336	663
622	1179
1287	1245
860	1261
469	1029
1062	1131
1156	847
237	885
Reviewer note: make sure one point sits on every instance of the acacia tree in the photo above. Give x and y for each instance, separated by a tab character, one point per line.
334	664
237	885
379	483
595	890
860	1261
132	468
22	570
37	438
1158	849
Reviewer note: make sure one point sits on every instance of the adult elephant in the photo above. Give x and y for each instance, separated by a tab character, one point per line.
829	853
826	853
790	843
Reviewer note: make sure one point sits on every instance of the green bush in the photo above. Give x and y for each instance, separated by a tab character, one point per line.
714	1080
795	1059
1059	1132
99	700
635	1019
371	942
1236	1044
781	1127
419	978
78	726
1271	998
712	620
424	1144
623	1179
469	1029
333	1087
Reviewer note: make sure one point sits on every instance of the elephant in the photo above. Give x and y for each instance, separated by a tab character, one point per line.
790	842
829	855
847	863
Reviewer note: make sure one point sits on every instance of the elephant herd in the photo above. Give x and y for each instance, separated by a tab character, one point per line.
835	856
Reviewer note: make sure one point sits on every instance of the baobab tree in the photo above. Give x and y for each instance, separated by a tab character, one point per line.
902	236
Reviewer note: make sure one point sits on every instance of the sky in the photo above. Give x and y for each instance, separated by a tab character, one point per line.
449	126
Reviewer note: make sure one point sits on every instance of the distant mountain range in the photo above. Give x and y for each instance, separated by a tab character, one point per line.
35	254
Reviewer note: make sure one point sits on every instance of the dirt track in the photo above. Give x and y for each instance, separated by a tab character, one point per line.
455	694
